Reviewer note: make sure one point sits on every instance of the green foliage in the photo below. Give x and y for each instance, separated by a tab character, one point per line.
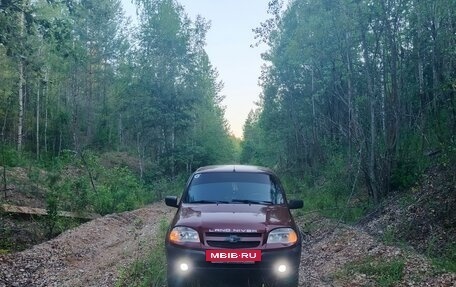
448	156
149	270
168	186
385	273
411	163
89	87
171	106
336	78
10	157
52	211
103	201
119	190
329	192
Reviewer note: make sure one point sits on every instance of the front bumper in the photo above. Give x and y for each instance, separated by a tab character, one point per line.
268	267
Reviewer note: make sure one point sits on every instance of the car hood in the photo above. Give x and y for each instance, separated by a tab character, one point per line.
237	218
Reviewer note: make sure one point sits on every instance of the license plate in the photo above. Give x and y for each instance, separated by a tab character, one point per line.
233	256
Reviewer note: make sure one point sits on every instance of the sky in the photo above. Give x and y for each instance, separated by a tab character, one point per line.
228	47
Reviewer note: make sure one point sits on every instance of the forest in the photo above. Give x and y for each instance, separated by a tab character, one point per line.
77	81
358	96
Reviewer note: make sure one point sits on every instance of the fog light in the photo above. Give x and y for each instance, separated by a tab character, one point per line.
183	267
282	268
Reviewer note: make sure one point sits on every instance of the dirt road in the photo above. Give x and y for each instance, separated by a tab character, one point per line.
90	255
93	254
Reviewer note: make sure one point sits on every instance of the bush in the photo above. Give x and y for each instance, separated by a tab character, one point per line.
119	190
10	157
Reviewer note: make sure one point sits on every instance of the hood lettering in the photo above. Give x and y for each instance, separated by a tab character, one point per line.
237	230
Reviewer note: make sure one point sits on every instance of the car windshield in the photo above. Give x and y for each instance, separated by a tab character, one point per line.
234	187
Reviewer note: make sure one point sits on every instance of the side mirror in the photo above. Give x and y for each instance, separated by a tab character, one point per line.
295	204
171	201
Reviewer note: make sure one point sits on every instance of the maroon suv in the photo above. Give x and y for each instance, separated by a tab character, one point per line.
233	219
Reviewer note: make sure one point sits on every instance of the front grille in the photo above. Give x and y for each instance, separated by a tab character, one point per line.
233	240
225	234
233	245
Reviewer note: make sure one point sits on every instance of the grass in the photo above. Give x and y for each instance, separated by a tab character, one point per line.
446	262
383	273
148	271
325	203
390	237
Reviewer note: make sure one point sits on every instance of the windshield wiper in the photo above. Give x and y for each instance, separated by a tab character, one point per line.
209	201
249	201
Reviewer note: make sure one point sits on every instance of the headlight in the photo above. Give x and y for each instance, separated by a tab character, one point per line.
182	234
283	235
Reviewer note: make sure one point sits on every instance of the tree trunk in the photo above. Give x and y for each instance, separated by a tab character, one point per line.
371	165
21	78
21	105
38	124
372	178
392	104
140	155
46	119
350	104
120	132
5	118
